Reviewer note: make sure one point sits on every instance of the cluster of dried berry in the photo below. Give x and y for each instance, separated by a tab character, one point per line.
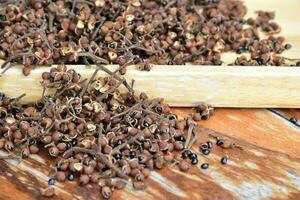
96	133
143	32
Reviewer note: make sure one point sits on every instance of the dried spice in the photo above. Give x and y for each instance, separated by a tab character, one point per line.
135	32
96	133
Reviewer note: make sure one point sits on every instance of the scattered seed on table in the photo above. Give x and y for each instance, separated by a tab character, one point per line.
51	181
293	120
205	152
70	177
224	160
220	142
192	156
194	161
204	165
287	46
209	144
186	153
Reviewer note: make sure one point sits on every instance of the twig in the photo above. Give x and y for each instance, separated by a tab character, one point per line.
97	28
50	23
17	99
189	134
97	155
130	141
90	81
170	4
100	135
126	111
97	59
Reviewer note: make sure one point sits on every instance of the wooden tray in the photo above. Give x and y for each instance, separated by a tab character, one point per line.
189	85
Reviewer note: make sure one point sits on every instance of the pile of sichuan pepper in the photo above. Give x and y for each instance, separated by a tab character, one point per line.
143	32
96	133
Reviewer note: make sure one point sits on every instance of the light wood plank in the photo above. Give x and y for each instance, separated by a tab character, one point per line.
219	86
222	87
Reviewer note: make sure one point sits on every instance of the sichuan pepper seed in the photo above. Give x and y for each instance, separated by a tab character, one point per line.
91	138
134	35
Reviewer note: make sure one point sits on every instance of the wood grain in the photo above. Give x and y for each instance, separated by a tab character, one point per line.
266	168
219	86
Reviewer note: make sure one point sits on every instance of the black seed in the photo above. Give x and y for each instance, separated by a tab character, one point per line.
170	62
204	166
51	181
132	154
56	44
158	109
105	168
141	158
152	34
209	144
145	124
194	161
118	156
193	156
119	142
112	46
87	30
260	61
293	120
2	96
224	160
63	137
189	8
140	37
32	142
287	46
239	51
138	177
74	142
298	63
2	17
172	117
56	24
219	142
242	21
185	154
180	138
70	177
204	117
247	47
205	152
204	146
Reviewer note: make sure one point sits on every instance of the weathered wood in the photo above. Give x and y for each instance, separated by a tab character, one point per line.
266	168
219	86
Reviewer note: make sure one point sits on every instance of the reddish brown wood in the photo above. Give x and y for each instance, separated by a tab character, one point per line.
267	167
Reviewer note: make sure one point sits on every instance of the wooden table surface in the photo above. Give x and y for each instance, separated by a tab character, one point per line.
268	166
